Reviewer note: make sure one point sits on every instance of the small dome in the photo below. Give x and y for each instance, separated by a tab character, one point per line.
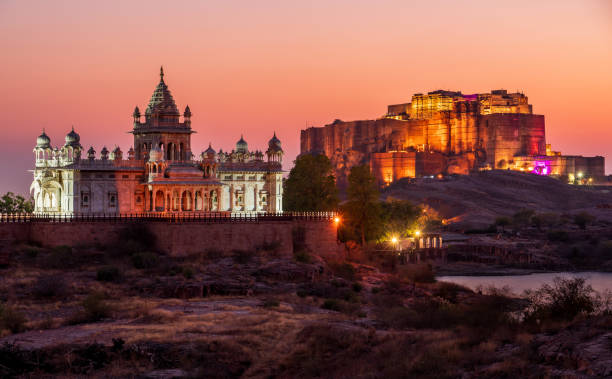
136	112
73	138
242	146
275	143
155	154
210	152
187	112
43	140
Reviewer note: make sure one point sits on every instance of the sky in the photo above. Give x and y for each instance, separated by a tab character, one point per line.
255	67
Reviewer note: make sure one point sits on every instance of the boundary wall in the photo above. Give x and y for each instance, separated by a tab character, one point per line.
177	238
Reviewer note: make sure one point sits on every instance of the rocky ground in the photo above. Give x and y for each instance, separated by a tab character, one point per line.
92	311
472	201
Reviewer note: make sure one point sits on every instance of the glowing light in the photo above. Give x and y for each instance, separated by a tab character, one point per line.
417	233
337	220
540	168
580	175
394	239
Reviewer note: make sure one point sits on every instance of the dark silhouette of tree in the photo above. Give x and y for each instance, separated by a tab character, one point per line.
363	209
311	185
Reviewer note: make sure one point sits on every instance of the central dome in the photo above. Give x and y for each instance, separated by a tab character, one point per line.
242	146
161	101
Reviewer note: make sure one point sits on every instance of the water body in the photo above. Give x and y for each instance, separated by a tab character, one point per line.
600	281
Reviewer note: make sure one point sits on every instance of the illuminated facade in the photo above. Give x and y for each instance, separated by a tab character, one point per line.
159	174
445	132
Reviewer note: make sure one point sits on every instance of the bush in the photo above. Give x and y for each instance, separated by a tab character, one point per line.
95	307
188	272
271	303
583	219
50	286
11	319
61	257
332	305
344	270
420	273
145	260
108	274
357	287
563	300
523	217
302	256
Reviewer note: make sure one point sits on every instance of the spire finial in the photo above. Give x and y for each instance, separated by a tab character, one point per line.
73	128
161	73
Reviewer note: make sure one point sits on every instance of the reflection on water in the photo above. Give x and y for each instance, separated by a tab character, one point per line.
600	281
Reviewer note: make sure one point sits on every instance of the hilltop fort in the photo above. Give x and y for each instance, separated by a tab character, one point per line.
447	132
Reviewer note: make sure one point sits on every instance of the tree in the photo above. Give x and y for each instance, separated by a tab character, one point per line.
11	203
311	185
400	217
363	208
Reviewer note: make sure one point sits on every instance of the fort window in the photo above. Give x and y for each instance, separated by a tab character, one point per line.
111	176
125	176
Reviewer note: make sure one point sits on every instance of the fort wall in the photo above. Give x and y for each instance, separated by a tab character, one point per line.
183	238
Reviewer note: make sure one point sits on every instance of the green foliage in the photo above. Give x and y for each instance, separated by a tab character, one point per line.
302	256
108	274
95	307
332	305
563	300
11	203
271	303
583	219
502	221
363	213
344	270
11	319
188	272
400	217
145	260
523	217
311	185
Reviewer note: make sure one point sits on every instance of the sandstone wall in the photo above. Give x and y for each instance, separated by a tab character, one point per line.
186	238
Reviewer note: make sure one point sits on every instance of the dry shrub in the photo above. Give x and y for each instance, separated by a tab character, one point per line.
11	319
50	286
160	316
420	273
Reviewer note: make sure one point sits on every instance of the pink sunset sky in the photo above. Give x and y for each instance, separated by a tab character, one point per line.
255	67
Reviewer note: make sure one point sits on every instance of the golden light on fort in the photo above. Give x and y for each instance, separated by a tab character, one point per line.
394	239
337	220
417	233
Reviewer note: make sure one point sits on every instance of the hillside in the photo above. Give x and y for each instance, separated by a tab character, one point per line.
475	200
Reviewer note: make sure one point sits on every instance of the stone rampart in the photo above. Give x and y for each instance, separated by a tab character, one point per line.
182	238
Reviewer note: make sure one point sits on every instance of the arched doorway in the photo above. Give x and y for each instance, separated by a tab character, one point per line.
159	201
186	201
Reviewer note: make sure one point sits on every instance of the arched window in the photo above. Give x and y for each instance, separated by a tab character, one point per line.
181	152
